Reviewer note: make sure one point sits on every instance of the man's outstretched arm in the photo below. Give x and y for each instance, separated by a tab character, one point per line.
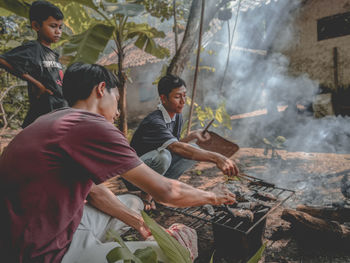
173	192
186	150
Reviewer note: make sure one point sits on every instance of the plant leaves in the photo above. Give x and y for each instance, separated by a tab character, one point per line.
145	39
171	248
257	256
146	255
125	9
121	253
212	258
15	6
87	46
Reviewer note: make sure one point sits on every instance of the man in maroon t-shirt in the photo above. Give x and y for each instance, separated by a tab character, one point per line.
59	161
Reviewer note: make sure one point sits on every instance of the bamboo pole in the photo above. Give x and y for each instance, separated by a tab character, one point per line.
196	70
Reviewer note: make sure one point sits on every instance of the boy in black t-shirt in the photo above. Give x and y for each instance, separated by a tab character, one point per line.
37	63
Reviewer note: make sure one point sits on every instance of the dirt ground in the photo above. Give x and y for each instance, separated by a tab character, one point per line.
315	178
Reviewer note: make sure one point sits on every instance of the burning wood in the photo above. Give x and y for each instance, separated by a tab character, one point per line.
329	230
340	214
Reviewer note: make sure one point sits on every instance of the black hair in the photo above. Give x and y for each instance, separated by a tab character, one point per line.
168	83
41	10
80	79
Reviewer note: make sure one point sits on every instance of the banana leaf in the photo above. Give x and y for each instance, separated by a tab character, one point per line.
120	253
87	46
145	39
171	248
16	6
125	9
146	255
88	3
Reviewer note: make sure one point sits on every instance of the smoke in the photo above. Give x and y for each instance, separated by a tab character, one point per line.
258	77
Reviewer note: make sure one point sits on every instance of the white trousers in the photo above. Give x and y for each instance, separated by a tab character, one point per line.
90	245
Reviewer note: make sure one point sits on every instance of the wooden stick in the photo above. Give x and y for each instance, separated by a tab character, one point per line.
207	127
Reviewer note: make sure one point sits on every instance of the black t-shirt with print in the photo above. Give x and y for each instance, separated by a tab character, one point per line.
153	132
41	63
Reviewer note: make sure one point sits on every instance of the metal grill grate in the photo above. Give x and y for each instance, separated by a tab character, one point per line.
222	217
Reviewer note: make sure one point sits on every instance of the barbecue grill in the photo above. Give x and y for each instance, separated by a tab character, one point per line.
238	238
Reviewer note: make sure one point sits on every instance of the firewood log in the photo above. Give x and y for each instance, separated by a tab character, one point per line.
340	214
327	229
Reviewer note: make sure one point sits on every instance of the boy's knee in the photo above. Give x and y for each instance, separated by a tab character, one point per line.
163	161
132	201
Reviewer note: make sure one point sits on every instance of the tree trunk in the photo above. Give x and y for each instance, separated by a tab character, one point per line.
123	121
190	38
123	118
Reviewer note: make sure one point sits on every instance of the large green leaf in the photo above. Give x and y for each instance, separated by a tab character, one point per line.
87	46
4	12
76	17
145	39
171	248
17	7
125	9
88	3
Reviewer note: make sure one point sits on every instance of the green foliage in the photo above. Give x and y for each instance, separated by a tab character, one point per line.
87	46
17	7
125	9
14	31
145	39
146	255
164	9
202	116
77	18
258	254
172	249
14	100
212	258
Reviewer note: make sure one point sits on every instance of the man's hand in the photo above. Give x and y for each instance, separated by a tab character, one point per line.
196	135
148	201
143	229
40	88
223	195
202	136
226	165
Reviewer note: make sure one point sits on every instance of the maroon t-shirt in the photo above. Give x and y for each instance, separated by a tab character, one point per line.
46	173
